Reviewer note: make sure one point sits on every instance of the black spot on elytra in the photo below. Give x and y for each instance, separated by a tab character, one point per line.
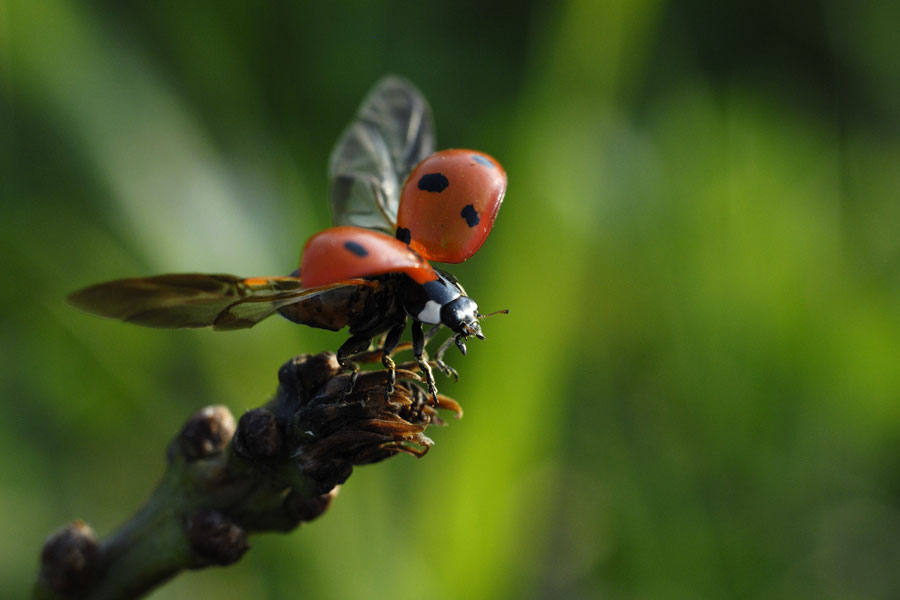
433	182
356	248
470	215
403	235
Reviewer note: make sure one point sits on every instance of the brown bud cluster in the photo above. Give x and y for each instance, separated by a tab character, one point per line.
334	423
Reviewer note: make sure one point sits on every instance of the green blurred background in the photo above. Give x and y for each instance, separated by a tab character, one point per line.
697	394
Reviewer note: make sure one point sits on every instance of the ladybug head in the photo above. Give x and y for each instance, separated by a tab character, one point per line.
461	315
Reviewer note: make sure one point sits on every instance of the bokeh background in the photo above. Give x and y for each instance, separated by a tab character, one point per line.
697	394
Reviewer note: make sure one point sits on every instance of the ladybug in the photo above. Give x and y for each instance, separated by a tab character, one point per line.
371	271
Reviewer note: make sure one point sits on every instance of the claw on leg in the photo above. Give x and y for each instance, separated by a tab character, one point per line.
429	378
446	369
351	348
354	375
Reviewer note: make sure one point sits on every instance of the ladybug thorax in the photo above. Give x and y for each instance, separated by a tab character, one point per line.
443	301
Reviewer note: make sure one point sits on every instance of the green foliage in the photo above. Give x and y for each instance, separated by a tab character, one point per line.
697	392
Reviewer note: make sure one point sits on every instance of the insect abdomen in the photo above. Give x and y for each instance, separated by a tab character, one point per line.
331	310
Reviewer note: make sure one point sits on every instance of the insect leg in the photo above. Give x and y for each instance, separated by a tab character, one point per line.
432	331
389	344
418	340
351	347
439	361
439	358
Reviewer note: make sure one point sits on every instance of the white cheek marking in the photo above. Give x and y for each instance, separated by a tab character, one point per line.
431	314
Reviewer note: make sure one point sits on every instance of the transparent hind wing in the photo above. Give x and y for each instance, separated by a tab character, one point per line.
196	299
392	132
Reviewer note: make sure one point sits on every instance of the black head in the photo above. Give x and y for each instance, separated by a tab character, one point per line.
461	316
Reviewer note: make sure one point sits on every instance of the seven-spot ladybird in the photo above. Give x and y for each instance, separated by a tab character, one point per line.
370	272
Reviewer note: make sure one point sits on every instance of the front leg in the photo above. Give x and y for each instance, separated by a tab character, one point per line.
418	340
432	331
348	349
390	343
439	357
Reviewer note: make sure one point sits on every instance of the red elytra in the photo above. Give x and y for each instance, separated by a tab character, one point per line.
449	203
341	253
